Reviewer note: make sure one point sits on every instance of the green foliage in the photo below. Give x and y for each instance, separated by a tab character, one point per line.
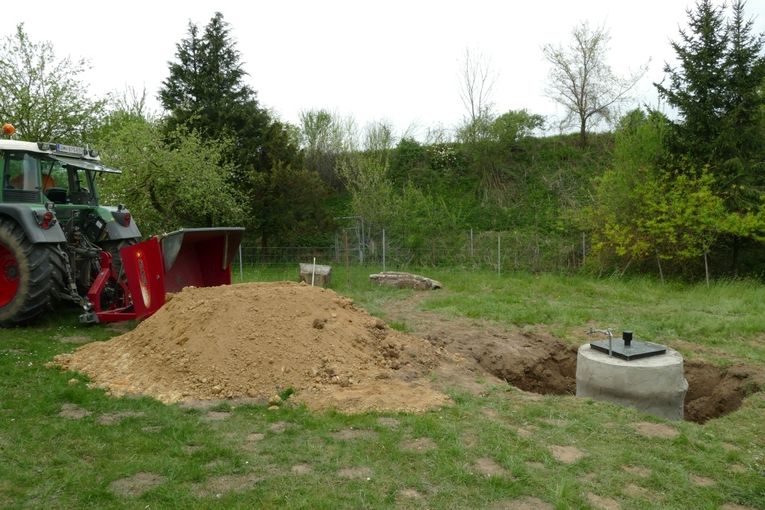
513	125
171	182
642	211
295	201
324	140
44	97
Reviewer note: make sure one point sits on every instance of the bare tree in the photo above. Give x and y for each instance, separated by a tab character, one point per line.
582	81
476	82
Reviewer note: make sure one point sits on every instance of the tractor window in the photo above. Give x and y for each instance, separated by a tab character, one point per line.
56	182
21	178
22	172
81	187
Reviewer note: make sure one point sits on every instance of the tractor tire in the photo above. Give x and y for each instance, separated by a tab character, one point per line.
114	248
31	276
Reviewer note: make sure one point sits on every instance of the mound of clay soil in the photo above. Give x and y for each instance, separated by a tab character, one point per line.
253	340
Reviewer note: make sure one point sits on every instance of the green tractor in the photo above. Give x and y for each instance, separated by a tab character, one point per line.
59	244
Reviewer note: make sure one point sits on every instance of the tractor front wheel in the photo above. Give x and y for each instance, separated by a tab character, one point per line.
29	275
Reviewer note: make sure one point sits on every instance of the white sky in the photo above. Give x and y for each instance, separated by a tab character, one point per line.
394	60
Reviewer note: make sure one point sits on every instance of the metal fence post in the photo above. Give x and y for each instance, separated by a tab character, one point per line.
499	253
383	248
241	268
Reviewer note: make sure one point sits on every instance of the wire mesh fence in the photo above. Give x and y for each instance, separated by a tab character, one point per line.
493	250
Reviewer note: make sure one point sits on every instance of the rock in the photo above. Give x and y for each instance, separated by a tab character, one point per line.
405	280
275	400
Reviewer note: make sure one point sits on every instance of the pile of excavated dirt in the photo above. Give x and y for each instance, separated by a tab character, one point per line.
254	340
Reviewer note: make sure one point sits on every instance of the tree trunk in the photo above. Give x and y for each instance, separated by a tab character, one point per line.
583	133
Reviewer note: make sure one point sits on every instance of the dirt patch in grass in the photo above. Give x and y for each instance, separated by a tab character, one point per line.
279	426
385	421
566	454
73	412
136	485
350	434
255	437
256	339
225	483
702	481
410	494
636	491
419	445
655	430
301	469
637	471
355	473
489	467
736	506
216	416
524	503
603	503
114	418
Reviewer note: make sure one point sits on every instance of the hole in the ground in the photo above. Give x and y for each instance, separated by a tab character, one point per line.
712	391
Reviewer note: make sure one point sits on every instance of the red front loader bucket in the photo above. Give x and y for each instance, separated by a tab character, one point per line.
199	257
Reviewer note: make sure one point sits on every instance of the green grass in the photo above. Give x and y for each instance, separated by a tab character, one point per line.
47	461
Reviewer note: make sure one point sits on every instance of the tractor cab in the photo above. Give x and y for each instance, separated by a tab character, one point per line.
57	242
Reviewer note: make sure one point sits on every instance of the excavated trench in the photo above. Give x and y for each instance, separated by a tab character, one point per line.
539	363
712	391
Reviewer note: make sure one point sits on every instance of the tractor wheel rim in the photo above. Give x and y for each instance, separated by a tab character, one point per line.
9	276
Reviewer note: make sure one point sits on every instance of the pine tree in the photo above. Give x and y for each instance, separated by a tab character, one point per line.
697	88
206	92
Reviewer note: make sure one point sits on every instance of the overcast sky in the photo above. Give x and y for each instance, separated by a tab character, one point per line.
394	60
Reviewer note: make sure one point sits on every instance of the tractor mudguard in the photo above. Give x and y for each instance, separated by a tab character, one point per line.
116	232
199	257
24	215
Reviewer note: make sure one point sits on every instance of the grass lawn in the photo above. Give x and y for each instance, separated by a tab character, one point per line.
63	445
